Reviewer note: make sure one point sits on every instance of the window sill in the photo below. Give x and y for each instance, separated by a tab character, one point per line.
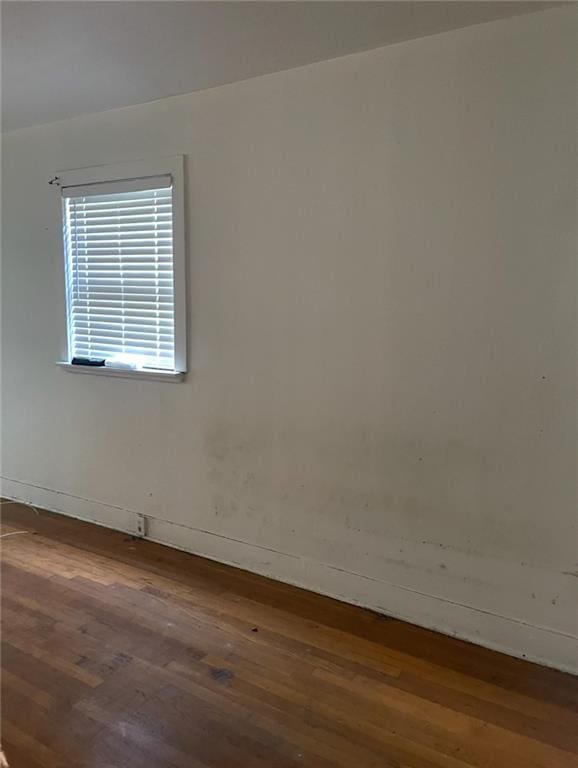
123	373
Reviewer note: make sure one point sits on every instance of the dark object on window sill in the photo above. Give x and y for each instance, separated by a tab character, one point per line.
87	361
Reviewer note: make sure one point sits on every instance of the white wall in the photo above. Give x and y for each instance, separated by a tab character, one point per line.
382	296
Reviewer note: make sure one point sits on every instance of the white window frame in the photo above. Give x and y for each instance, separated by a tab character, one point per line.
173	166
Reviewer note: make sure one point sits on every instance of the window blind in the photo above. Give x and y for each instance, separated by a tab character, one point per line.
120	276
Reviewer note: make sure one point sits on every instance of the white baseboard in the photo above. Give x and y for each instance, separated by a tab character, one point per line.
501	633
97	512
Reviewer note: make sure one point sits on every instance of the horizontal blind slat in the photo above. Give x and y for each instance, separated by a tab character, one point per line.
130	346
88	327
137	295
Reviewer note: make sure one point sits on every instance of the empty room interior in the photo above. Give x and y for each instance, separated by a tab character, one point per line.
288	365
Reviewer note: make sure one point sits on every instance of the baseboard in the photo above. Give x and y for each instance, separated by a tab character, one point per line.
97	512
501	633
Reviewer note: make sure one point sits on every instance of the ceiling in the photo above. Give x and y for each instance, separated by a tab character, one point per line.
61	59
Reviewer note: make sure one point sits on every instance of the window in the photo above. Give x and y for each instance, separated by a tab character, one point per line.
124	266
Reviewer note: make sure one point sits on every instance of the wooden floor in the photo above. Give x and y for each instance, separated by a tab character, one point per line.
123	653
